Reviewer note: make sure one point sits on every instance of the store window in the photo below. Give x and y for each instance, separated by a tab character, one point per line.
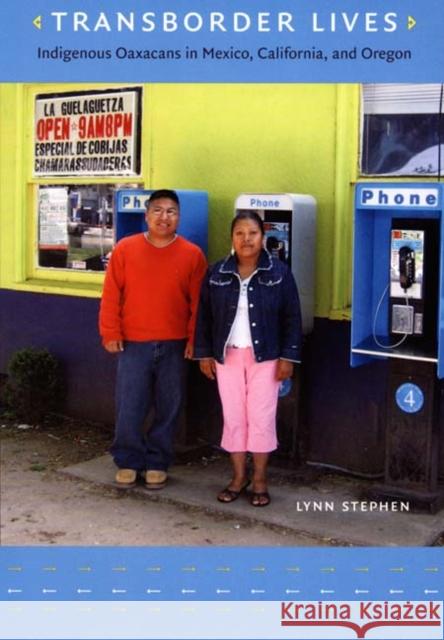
86	145
403	130
76	226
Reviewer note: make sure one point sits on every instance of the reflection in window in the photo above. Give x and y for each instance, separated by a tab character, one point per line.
76	226
403	130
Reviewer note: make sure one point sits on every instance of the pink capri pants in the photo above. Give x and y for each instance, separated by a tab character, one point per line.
249	395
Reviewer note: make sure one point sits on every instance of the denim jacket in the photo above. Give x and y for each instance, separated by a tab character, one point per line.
273	309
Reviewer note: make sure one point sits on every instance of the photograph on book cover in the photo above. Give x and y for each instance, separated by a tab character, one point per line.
336	185
353	464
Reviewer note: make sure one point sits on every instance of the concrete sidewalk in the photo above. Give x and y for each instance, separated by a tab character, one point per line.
331	509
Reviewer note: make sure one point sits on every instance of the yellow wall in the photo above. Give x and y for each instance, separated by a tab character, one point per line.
225	139
12	185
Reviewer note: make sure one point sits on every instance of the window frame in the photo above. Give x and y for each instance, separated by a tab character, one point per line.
391	99
66	280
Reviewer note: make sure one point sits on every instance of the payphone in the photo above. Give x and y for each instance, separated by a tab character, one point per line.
130	207
398	282
290	235
414	270
406	280
398	316
412	286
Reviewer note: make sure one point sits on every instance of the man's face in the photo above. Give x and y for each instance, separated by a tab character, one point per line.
162	218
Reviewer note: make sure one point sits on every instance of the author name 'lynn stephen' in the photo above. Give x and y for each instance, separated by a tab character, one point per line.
351	505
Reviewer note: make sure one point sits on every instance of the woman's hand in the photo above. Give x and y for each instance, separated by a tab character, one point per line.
208	367
189	349
284	369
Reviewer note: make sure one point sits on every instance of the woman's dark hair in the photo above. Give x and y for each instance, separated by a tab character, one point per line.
247	214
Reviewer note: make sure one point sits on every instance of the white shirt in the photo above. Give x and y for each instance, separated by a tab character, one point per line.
240	334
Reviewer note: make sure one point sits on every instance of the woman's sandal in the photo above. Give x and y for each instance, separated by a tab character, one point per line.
260	499
229	495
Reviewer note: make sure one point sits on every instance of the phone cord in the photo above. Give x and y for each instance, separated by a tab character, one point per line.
375	338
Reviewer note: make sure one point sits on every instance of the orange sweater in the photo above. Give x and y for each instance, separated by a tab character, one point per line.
151	293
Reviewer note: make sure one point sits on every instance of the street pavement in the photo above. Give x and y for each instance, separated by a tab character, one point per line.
333	509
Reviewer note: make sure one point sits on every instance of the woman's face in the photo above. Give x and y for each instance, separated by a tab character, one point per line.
247	239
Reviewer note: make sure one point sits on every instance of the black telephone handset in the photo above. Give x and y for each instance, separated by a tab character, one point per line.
406	267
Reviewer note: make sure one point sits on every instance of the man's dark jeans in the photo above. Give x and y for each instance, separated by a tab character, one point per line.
149	374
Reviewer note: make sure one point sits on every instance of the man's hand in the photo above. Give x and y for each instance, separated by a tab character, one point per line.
284	369
114	346
208	367
188	355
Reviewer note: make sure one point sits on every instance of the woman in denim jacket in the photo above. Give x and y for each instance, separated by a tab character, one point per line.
248	337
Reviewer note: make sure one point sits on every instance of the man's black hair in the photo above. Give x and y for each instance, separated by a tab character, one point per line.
248	214
164	193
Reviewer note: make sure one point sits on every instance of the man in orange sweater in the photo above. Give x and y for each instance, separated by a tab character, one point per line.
147	317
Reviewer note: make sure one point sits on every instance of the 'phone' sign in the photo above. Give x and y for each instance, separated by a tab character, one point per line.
399	197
